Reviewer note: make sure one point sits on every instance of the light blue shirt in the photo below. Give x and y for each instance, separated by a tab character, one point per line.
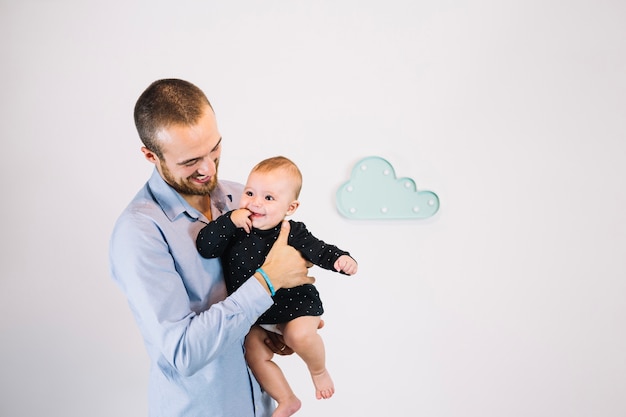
192	330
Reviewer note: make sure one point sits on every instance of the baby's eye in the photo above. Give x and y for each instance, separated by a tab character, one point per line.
269	198
249	193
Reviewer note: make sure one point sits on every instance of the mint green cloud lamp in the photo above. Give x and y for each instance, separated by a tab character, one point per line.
374	192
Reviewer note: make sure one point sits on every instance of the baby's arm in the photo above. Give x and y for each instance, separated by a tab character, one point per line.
241	219
214	238
346	264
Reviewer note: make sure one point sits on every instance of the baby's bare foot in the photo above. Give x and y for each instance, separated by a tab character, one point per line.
287	407
324	386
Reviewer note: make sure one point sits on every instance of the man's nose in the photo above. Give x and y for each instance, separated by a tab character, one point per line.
207	168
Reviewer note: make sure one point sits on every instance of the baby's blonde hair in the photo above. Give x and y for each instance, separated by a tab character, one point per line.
286	165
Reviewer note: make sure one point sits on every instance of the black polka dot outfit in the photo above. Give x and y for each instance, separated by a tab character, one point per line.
243	253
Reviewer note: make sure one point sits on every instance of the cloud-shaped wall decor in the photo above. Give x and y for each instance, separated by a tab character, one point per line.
374	192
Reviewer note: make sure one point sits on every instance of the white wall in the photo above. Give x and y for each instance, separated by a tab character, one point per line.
509	302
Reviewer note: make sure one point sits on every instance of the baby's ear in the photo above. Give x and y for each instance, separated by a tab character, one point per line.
293	206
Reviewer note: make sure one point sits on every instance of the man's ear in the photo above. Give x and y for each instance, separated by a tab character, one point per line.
293	206
149	155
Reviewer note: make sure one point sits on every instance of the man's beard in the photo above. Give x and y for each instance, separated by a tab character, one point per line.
185	187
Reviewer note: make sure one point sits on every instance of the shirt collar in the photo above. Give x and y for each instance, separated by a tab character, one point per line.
173	204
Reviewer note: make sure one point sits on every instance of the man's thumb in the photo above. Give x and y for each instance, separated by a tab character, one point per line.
285	227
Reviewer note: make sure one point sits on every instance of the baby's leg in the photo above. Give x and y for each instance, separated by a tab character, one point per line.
301	335
269	375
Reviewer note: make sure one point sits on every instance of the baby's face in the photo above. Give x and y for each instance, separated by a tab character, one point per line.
269	196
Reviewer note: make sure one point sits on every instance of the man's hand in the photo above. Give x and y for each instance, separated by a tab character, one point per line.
277	344
284	265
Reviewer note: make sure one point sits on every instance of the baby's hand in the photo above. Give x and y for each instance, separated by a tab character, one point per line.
241	219
346	264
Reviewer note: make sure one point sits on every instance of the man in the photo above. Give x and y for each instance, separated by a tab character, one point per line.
192	330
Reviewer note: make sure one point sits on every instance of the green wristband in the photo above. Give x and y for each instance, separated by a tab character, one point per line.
267	281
